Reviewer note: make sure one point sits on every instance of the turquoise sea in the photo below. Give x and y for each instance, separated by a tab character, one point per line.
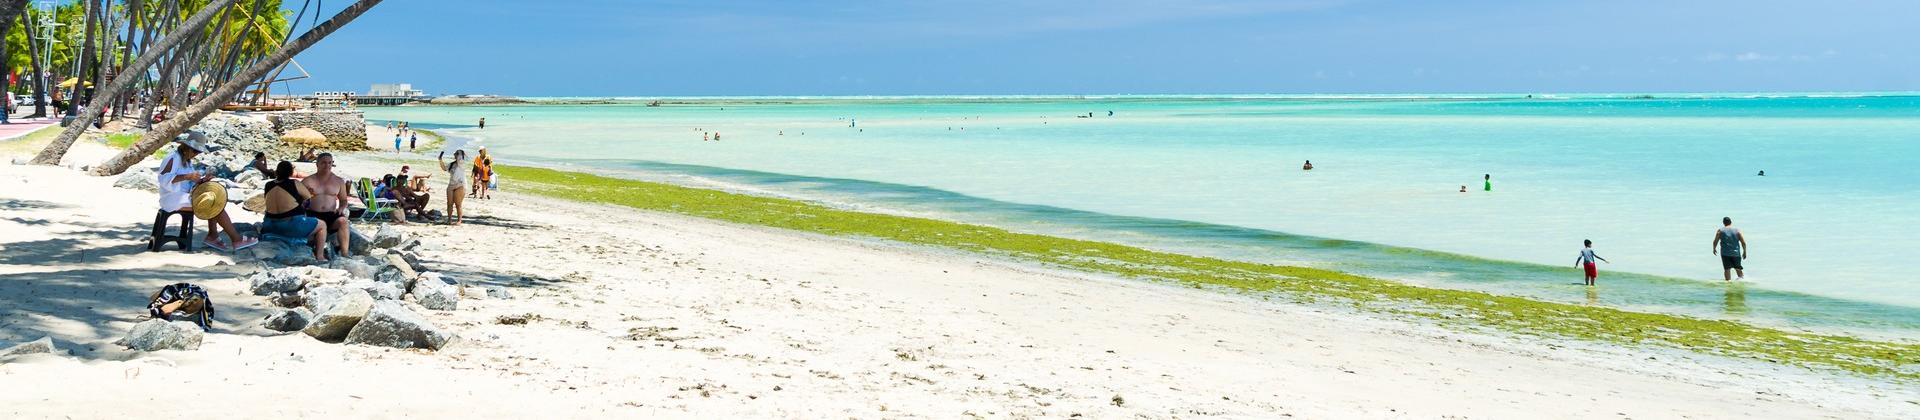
1647	177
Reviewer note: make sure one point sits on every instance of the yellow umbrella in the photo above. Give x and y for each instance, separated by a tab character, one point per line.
71	81
306	136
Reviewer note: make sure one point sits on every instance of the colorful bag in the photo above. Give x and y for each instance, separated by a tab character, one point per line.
182	300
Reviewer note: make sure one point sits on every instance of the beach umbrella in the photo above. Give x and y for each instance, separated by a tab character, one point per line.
73	80
304	136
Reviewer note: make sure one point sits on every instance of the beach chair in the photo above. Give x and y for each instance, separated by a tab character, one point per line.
376	206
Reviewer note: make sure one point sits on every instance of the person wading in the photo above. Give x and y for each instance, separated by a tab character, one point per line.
1731	246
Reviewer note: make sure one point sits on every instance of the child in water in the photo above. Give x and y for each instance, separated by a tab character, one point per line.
1586	259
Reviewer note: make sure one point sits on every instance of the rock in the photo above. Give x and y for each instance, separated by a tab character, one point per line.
434	279
411	245
388	237
160	334
396	276
43	345
246	178
142	179
498	292
292	279
288	320
335	311
407	258
361	267
295	256
390	324
359	242
379	291
439	298
267	249
287	300
279	280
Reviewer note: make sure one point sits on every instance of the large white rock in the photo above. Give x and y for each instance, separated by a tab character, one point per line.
379	291
142	179
43	345
336	309
440	298
291	279
288	320
388	237
390	324
160	334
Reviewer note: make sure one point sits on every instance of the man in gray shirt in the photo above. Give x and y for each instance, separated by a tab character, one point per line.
1731	246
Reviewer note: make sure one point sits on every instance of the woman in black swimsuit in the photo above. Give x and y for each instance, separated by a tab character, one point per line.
286	211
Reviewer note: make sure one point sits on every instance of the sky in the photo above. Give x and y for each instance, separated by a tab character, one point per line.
997	47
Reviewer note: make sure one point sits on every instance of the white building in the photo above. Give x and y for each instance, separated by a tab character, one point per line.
394	89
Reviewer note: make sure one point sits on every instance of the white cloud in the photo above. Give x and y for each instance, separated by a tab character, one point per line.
1754	56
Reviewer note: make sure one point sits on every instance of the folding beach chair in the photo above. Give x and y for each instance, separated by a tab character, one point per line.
375	205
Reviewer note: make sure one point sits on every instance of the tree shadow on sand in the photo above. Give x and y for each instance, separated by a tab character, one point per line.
61	287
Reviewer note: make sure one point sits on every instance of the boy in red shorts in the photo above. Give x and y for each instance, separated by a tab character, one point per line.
1586	260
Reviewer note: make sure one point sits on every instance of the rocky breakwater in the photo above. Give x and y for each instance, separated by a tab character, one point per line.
344	129
232	138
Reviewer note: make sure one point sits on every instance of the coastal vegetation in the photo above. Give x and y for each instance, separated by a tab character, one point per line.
189	56
1453	308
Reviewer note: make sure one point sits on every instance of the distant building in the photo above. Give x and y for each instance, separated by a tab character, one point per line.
395	89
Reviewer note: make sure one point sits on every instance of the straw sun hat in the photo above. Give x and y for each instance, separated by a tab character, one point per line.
209	199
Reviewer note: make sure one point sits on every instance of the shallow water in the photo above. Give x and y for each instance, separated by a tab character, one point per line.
1646	179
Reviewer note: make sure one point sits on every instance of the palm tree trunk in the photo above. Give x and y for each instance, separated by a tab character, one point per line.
58	148
39	74
86	60
164	132
9	10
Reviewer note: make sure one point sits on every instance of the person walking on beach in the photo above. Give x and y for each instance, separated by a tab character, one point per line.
1586	261
1731	246
396	143
457	179
413	142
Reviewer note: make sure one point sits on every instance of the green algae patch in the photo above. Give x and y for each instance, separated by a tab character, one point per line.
1459	308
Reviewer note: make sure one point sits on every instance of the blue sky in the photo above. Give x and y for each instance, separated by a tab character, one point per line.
832	47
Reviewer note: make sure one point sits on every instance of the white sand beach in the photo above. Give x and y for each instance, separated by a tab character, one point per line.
644	315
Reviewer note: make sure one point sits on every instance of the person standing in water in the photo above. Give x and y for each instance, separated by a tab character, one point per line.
483	123
1731	246
1586	261
1307	167
1489	180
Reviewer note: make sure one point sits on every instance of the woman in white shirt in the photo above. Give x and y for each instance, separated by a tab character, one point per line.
177	177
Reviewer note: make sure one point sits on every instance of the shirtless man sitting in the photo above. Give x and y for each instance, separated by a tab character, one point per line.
329	202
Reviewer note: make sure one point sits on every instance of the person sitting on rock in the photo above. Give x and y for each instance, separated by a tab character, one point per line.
286	211
329	202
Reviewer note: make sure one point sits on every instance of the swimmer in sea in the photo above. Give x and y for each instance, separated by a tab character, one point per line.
1307	167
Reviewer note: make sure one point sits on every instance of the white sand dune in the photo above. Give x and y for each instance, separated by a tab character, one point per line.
652	315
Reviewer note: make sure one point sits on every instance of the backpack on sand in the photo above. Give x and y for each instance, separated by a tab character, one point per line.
183	300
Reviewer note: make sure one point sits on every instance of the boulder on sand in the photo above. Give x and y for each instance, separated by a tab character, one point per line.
142	179
335	311
292	279
288	320
390	324
379	291
160	334
43	345
439	298
388	237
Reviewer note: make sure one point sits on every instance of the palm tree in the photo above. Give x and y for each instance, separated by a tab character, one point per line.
105	94
10	10
159	135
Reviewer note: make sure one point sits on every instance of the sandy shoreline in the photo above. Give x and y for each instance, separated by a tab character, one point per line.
658	315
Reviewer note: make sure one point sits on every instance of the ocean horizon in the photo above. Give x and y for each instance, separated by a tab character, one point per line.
1647	176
